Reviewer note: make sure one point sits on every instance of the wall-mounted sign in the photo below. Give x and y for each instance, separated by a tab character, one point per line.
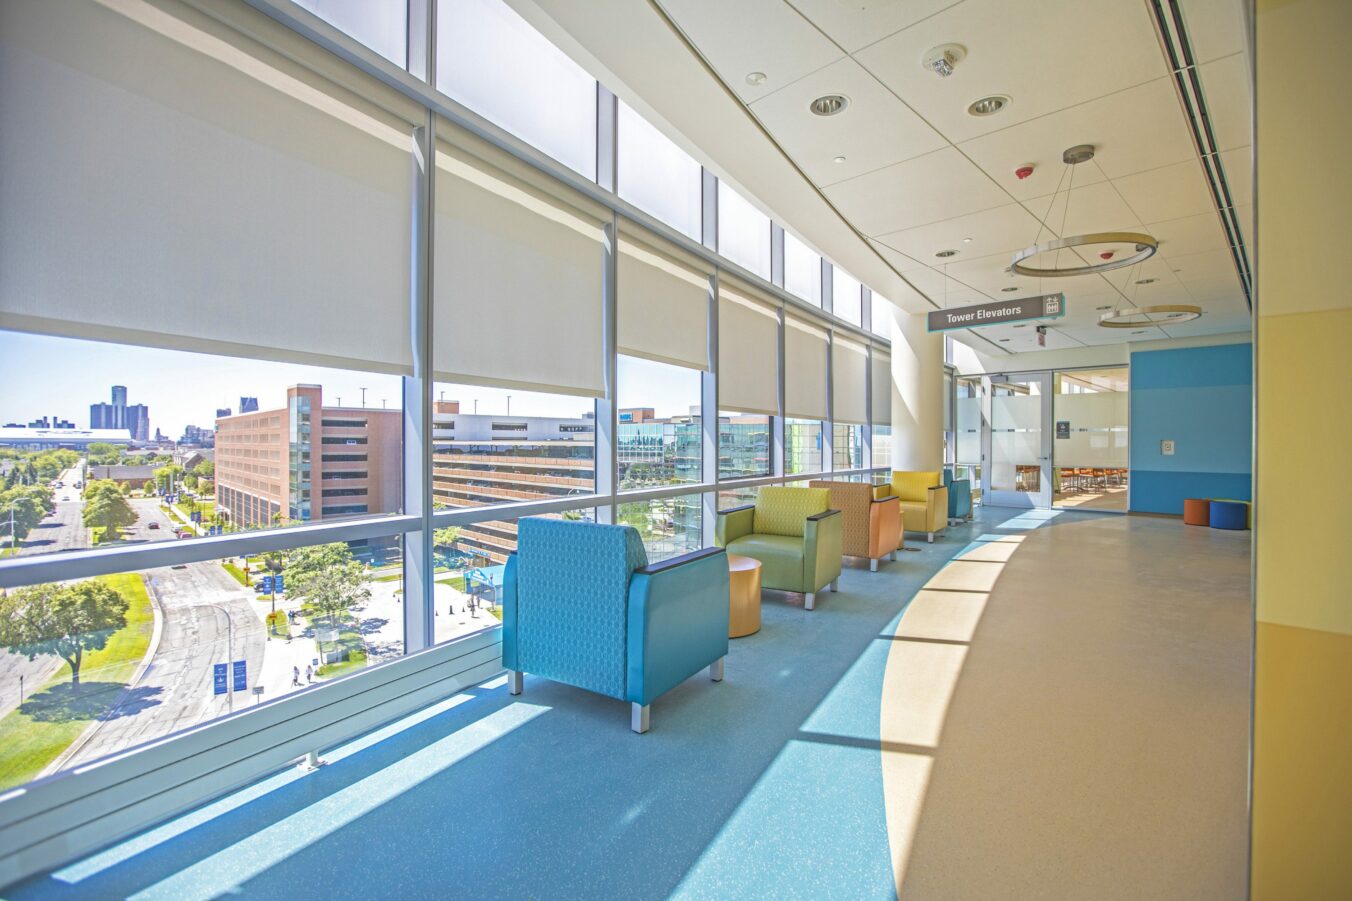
1044	306
1063	428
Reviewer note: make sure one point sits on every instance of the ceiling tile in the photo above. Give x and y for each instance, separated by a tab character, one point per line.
898	260
874	131
1093	208
1045	56
1238	167
853	24
1001	230
786	46
1215	27
1212	324
1244	213
1229	100
1192	234
1132	130
929	188
1171	192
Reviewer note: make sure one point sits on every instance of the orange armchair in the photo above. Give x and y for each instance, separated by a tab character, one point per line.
872	523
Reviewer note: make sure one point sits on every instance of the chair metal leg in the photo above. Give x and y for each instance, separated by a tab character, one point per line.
716	669
892	556
638	717
809	600
835	585
931	537
515	681
873	565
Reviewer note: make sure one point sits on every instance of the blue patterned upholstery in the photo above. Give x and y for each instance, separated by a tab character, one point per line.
581	606
572	590
959	496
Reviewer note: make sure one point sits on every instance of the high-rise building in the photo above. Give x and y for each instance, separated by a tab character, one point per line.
222	412
117	415
53	422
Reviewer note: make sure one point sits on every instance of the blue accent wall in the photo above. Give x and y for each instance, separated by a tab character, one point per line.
1202	398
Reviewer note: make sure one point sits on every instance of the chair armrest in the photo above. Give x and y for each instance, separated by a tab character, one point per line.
823	544
937	509
891	498
662	566
733	524
677	622
509	614
883	491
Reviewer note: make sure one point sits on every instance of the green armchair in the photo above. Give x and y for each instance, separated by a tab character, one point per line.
793	533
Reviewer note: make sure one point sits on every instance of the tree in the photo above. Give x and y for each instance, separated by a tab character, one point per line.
106	507
205	470
101	453
12	476
61	620
446	537
27	512
165	476
328	580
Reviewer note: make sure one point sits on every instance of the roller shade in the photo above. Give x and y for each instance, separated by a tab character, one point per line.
663	301
849	380
170	183
517	274
748	350
805	356
882	387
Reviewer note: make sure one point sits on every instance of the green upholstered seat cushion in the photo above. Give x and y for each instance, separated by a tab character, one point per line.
784	511
780	556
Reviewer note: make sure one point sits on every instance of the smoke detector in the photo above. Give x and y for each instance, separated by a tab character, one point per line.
942	59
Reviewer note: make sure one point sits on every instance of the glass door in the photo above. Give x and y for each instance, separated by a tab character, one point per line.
1016	440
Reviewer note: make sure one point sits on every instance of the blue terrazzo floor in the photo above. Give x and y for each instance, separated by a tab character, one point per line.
765	785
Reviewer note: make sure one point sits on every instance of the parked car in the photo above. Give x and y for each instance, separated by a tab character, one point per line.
153	525
65	497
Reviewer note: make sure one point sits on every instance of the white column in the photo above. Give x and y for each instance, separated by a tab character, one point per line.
917	394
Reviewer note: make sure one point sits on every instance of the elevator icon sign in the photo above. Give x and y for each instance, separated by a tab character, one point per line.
1052	304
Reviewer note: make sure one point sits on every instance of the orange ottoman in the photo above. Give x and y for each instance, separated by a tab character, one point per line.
1197	511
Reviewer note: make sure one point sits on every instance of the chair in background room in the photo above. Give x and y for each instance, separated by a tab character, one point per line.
582	606
872	525
959	497
795	535
924	501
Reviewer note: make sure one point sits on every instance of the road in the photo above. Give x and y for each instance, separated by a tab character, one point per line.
205	613
64	530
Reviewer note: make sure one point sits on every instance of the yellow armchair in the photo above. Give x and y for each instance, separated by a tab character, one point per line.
924	501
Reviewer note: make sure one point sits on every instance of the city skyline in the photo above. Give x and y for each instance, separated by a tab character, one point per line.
183	389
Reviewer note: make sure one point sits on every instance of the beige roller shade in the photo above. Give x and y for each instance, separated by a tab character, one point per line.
517	271
748	350
849	378
882	386
805	356
170	183
663	301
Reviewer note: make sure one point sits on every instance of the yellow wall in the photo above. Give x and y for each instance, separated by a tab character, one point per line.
1302	783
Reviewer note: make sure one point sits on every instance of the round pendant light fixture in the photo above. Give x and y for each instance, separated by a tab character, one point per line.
1115	250
1157	314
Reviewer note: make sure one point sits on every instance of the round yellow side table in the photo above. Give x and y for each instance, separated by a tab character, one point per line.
744	596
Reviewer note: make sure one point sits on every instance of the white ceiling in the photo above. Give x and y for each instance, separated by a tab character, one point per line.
920	174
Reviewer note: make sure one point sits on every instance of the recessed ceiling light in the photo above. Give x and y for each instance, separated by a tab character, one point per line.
1105	307
1146	281
756	78
1139	331
1004	339
967	240
829	105
1022	325
1007	290
946	253
988	106
839	159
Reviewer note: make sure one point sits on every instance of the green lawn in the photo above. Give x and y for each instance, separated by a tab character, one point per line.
51	718
356	660
235	571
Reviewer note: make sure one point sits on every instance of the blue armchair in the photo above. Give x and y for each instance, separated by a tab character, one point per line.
582	606
959	497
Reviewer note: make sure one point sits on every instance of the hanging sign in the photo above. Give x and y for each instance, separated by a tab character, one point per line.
997	312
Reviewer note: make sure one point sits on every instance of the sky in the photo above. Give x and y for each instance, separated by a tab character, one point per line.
46	376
